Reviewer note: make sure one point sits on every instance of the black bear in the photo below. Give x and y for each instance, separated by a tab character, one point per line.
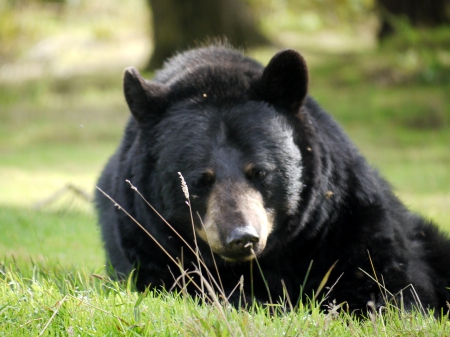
272	178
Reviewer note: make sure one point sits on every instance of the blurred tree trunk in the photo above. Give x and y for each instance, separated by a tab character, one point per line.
179	24
420	13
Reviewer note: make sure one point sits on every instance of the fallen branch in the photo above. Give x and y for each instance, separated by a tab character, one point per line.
69	188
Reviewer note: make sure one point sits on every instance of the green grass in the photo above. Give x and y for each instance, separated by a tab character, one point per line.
68	237
55	301
59	128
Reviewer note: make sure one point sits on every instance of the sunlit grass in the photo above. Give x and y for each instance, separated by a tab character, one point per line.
63	301
67	235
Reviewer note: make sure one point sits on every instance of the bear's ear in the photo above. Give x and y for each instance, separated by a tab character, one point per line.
145	99
285	80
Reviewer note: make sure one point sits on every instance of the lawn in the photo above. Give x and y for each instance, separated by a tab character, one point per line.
60	122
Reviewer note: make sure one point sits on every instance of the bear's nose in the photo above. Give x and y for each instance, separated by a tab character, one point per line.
242	238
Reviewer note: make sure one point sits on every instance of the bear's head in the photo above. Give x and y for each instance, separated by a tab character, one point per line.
227	127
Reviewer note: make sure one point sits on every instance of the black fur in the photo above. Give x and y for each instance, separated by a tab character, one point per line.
212	107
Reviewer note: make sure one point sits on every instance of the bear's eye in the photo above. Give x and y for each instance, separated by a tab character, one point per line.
255	174
206	180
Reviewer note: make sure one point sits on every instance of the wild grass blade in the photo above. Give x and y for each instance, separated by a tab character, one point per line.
324	281
145	230
305	279
196	251
263	278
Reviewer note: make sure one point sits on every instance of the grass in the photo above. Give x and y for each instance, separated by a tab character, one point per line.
63	236
58	301
60	123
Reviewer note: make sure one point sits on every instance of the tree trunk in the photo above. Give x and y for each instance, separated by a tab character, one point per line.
180	24
420	13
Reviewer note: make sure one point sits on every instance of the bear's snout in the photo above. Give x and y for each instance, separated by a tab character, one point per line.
236	224
241	240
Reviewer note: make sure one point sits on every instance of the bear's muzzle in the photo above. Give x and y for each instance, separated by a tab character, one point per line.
236	224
